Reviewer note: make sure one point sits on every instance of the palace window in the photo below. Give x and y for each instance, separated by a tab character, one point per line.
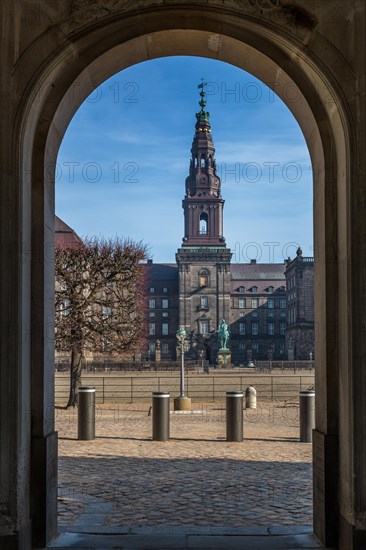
241	289
165	314
151	329
165	348
151	347
270	303
282	329
242	346
152	290
255	303
165	290
152	314
283	303
204	302
165	303
254	329
204	327
242	329
241	303
271	329
165	329
152	303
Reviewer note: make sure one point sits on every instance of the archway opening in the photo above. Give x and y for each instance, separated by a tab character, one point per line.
195	42
107	156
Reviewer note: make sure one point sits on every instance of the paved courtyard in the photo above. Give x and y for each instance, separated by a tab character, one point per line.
122	479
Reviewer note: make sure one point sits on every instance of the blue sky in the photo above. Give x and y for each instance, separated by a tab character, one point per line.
123	161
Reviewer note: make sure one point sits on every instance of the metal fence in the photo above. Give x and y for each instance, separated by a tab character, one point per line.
174	366
137	366
295	366
130	389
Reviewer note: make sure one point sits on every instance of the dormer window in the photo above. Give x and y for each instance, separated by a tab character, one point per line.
241	289
254	289
270	289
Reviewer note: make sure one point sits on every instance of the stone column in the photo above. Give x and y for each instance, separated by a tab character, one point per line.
44	438
15	292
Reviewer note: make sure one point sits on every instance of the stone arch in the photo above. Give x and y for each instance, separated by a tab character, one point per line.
91	51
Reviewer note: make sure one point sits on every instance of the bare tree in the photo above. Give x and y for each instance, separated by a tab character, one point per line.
99	300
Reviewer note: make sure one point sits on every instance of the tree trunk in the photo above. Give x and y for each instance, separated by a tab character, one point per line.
75	377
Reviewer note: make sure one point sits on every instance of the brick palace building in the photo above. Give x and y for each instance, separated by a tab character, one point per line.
203	286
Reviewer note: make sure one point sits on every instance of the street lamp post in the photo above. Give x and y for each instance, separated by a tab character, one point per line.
181	337
182	403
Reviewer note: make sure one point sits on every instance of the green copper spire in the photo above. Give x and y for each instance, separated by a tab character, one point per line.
202	114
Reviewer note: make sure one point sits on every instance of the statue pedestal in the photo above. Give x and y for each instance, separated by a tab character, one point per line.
224	358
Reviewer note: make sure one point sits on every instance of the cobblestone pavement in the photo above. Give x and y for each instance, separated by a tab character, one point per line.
122	478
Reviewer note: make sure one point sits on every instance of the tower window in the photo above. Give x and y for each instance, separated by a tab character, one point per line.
203	278
203	162
203	224
204	302
204	327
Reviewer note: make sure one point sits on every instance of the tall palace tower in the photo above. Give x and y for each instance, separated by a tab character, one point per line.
203	260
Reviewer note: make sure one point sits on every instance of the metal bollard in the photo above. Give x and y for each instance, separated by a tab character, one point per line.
86	413
161	416
234	416
307	415
250	398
